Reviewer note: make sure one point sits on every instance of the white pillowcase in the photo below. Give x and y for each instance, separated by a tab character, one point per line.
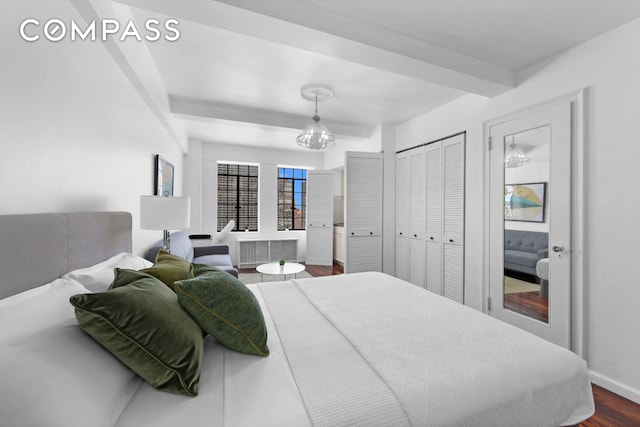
222	235
53	373
97	278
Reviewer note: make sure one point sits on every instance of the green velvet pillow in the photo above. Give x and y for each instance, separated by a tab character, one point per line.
224	308
169	268
143	325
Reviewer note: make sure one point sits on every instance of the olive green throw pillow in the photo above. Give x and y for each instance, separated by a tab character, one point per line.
142	324
224	308
123	277
169	268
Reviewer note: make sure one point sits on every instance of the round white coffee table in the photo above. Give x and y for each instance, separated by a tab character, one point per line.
275	268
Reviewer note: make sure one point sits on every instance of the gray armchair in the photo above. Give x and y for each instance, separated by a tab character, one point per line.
215	255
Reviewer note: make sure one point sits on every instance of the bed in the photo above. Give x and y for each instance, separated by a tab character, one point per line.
358	349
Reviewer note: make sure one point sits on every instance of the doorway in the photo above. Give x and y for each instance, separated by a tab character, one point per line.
532	210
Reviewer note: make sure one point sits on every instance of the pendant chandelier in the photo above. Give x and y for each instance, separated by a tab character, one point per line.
514	157
316	136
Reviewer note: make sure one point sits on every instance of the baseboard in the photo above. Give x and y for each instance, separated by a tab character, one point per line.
615	386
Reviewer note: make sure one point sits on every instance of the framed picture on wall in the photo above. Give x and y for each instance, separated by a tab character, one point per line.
525	202
163	182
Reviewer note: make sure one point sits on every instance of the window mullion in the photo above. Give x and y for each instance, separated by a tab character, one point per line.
293	203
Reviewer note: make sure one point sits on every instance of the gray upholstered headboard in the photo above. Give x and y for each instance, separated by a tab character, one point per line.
37	248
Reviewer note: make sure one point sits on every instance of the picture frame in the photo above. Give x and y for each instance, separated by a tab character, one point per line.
525	202
163	181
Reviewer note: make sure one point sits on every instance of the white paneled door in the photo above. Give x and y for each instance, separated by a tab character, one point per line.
319	217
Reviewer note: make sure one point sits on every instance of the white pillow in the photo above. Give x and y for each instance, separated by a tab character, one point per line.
52	373
222	235
98	277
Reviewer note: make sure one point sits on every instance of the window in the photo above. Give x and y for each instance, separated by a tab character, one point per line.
292	198
238	196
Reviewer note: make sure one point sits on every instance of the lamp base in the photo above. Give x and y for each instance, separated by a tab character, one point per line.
166	241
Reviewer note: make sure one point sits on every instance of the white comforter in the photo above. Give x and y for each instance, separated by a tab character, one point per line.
368	349
361	349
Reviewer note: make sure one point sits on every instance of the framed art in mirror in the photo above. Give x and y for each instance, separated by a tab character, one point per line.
163	182
524	202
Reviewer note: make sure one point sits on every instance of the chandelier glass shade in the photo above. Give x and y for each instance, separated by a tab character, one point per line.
514	157
316	136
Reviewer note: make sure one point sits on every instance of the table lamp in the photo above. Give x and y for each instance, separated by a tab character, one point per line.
165	213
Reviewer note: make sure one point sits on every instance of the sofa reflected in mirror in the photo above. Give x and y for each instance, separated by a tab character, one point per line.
523	250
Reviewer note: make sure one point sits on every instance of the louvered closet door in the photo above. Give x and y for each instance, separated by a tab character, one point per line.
453	217
417	223
434	217
363	216
452	258
453	190
434	267
402	215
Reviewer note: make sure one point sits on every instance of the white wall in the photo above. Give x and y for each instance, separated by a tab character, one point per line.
207	154
74	135
609	67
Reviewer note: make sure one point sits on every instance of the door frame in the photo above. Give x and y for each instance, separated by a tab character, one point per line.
578	277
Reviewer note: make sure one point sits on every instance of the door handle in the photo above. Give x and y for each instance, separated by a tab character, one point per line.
558	249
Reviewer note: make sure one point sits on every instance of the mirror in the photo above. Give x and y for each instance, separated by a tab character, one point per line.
526	222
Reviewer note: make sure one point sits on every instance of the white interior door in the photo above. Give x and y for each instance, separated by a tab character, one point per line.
526	199
319	217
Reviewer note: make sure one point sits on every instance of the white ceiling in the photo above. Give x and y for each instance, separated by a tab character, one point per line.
236	72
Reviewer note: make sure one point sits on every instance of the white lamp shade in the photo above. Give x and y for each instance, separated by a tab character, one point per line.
165	213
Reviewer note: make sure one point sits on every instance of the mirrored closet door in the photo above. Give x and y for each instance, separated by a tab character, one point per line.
530	223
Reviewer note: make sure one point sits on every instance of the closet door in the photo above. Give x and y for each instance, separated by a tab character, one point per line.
363	215
453	190
417	220
319	218
402	215
453	164
434	218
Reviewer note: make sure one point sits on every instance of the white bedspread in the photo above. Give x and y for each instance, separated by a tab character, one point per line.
362	349
368	349
450	365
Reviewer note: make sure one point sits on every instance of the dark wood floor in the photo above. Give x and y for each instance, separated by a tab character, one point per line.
611	410
528	303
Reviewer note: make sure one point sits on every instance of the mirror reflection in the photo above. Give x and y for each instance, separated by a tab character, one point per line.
526	222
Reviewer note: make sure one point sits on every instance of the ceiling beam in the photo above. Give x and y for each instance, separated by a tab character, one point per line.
414	58
194	108
136	64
